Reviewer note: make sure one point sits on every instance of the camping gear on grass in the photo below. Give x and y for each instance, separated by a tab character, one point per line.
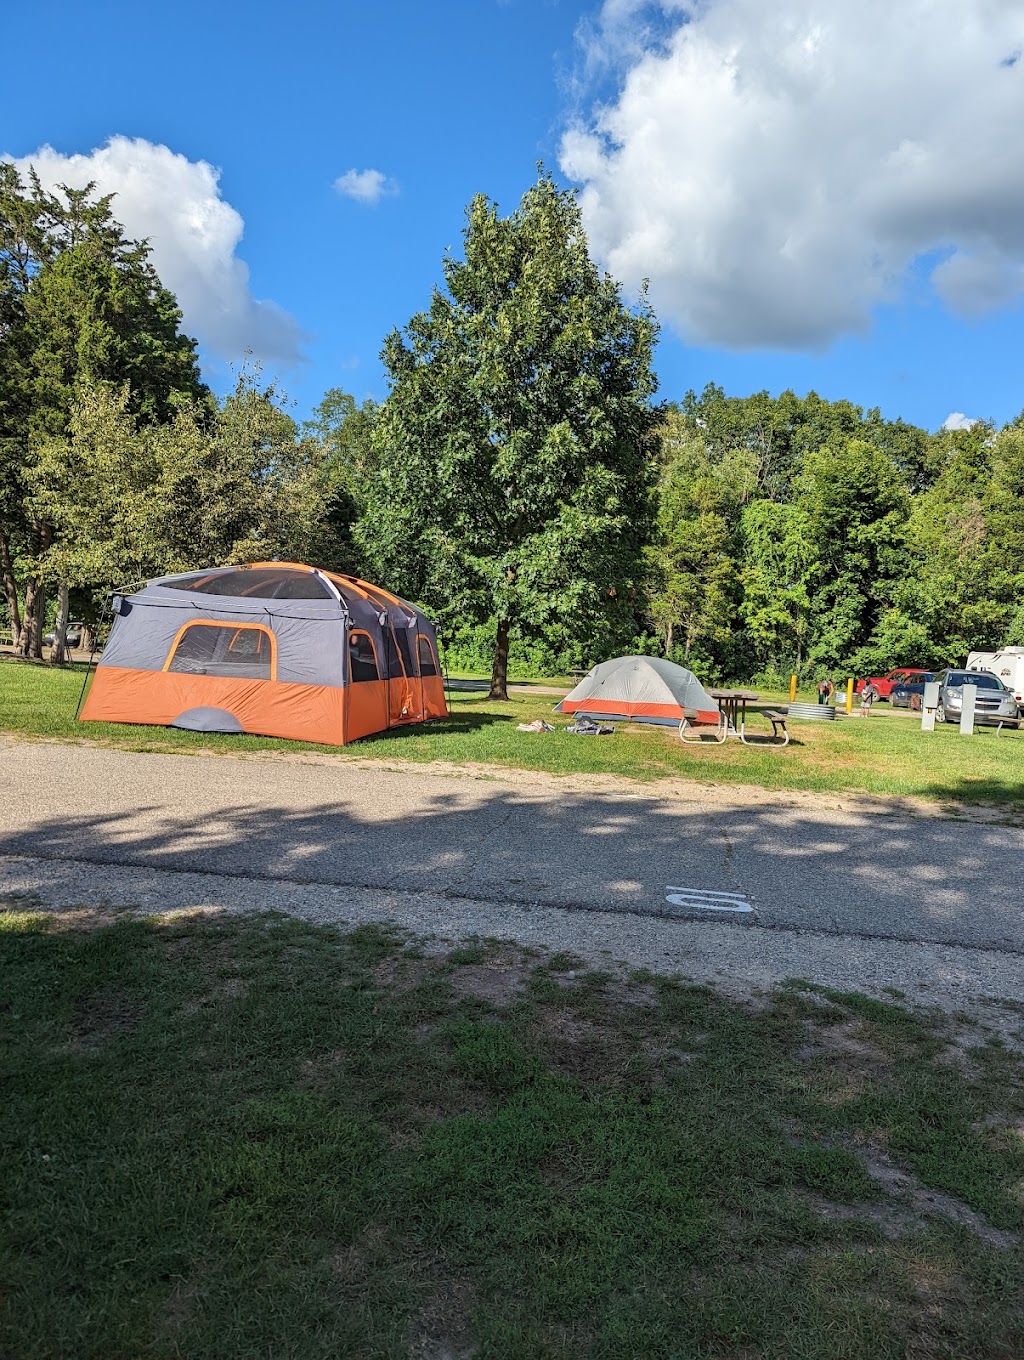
583	727
641	689
274	648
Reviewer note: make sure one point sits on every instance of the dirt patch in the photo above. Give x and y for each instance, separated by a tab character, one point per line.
847	1065
324	1070
104	1016
181	1304
442	1328
497	983
79	919
915	1204
354	1264
604	1056
403	972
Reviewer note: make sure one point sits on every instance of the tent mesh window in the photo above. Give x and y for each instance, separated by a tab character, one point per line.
405	648
216	649
362	658
258	583
396	668
428	666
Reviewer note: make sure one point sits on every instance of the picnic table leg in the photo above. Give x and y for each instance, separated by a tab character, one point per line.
720	733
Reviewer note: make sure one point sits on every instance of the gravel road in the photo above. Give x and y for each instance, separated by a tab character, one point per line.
846	894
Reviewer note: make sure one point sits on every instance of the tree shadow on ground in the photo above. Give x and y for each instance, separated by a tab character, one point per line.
803	868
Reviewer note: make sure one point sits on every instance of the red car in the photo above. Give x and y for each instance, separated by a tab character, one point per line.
884	683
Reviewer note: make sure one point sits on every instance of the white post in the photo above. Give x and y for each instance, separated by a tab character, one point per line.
970	693
929	703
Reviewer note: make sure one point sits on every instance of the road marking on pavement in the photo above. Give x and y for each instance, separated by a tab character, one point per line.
702	899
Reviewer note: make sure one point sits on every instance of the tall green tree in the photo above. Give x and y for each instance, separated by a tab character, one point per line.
779	573
513	453
325	491
152	498
80	303
856	505
692	566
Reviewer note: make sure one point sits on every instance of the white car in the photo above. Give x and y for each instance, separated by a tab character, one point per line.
72	638
994	702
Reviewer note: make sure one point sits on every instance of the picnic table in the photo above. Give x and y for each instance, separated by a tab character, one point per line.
732	704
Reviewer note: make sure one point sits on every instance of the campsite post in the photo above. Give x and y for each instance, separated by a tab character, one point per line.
792	689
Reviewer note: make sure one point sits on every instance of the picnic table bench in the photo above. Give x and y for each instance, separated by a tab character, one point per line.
777	720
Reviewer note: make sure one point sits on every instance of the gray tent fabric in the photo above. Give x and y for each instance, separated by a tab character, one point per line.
641	689
306	630
208	720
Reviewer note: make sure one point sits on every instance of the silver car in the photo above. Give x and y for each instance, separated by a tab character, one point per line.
994	702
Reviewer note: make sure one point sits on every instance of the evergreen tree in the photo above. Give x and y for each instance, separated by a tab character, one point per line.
79	304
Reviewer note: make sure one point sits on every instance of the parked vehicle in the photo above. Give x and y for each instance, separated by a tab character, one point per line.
994	703
72	638
1007	664
910	693
884	683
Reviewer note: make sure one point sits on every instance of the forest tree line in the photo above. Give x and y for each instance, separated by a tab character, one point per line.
520	481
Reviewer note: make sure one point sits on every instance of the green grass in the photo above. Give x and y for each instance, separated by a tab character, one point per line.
261	1138
884	754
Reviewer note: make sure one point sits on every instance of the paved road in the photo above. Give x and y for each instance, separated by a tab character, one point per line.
897	876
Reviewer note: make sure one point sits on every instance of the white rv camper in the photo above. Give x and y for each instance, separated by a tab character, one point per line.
1008	664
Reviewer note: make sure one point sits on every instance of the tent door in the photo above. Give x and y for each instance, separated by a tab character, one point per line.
405	690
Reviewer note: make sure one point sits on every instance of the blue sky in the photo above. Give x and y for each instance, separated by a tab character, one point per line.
823	196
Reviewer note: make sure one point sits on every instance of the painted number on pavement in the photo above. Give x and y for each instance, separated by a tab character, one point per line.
701	899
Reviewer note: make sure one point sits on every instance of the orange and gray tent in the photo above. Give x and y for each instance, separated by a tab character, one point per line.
641	689
274	648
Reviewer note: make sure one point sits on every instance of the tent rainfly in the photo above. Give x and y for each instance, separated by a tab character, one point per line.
641	689
273	648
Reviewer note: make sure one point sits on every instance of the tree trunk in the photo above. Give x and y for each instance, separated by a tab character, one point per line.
38	624
31	643
10	590
58	652
499	671
670	633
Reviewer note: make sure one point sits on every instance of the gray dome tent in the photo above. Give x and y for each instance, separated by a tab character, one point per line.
641	689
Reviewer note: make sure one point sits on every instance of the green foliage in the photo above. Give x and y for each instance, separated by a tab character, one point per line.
780	568
471	648
517	481
513	452
80	306
856	507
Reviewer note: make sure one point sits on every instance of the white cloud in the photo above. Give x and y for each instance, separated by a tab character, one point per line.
776	169
365	186
956	420
193	233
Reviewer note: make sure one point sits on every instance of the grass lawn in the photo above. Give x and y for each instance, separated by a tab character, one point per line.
883	754
258	1138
